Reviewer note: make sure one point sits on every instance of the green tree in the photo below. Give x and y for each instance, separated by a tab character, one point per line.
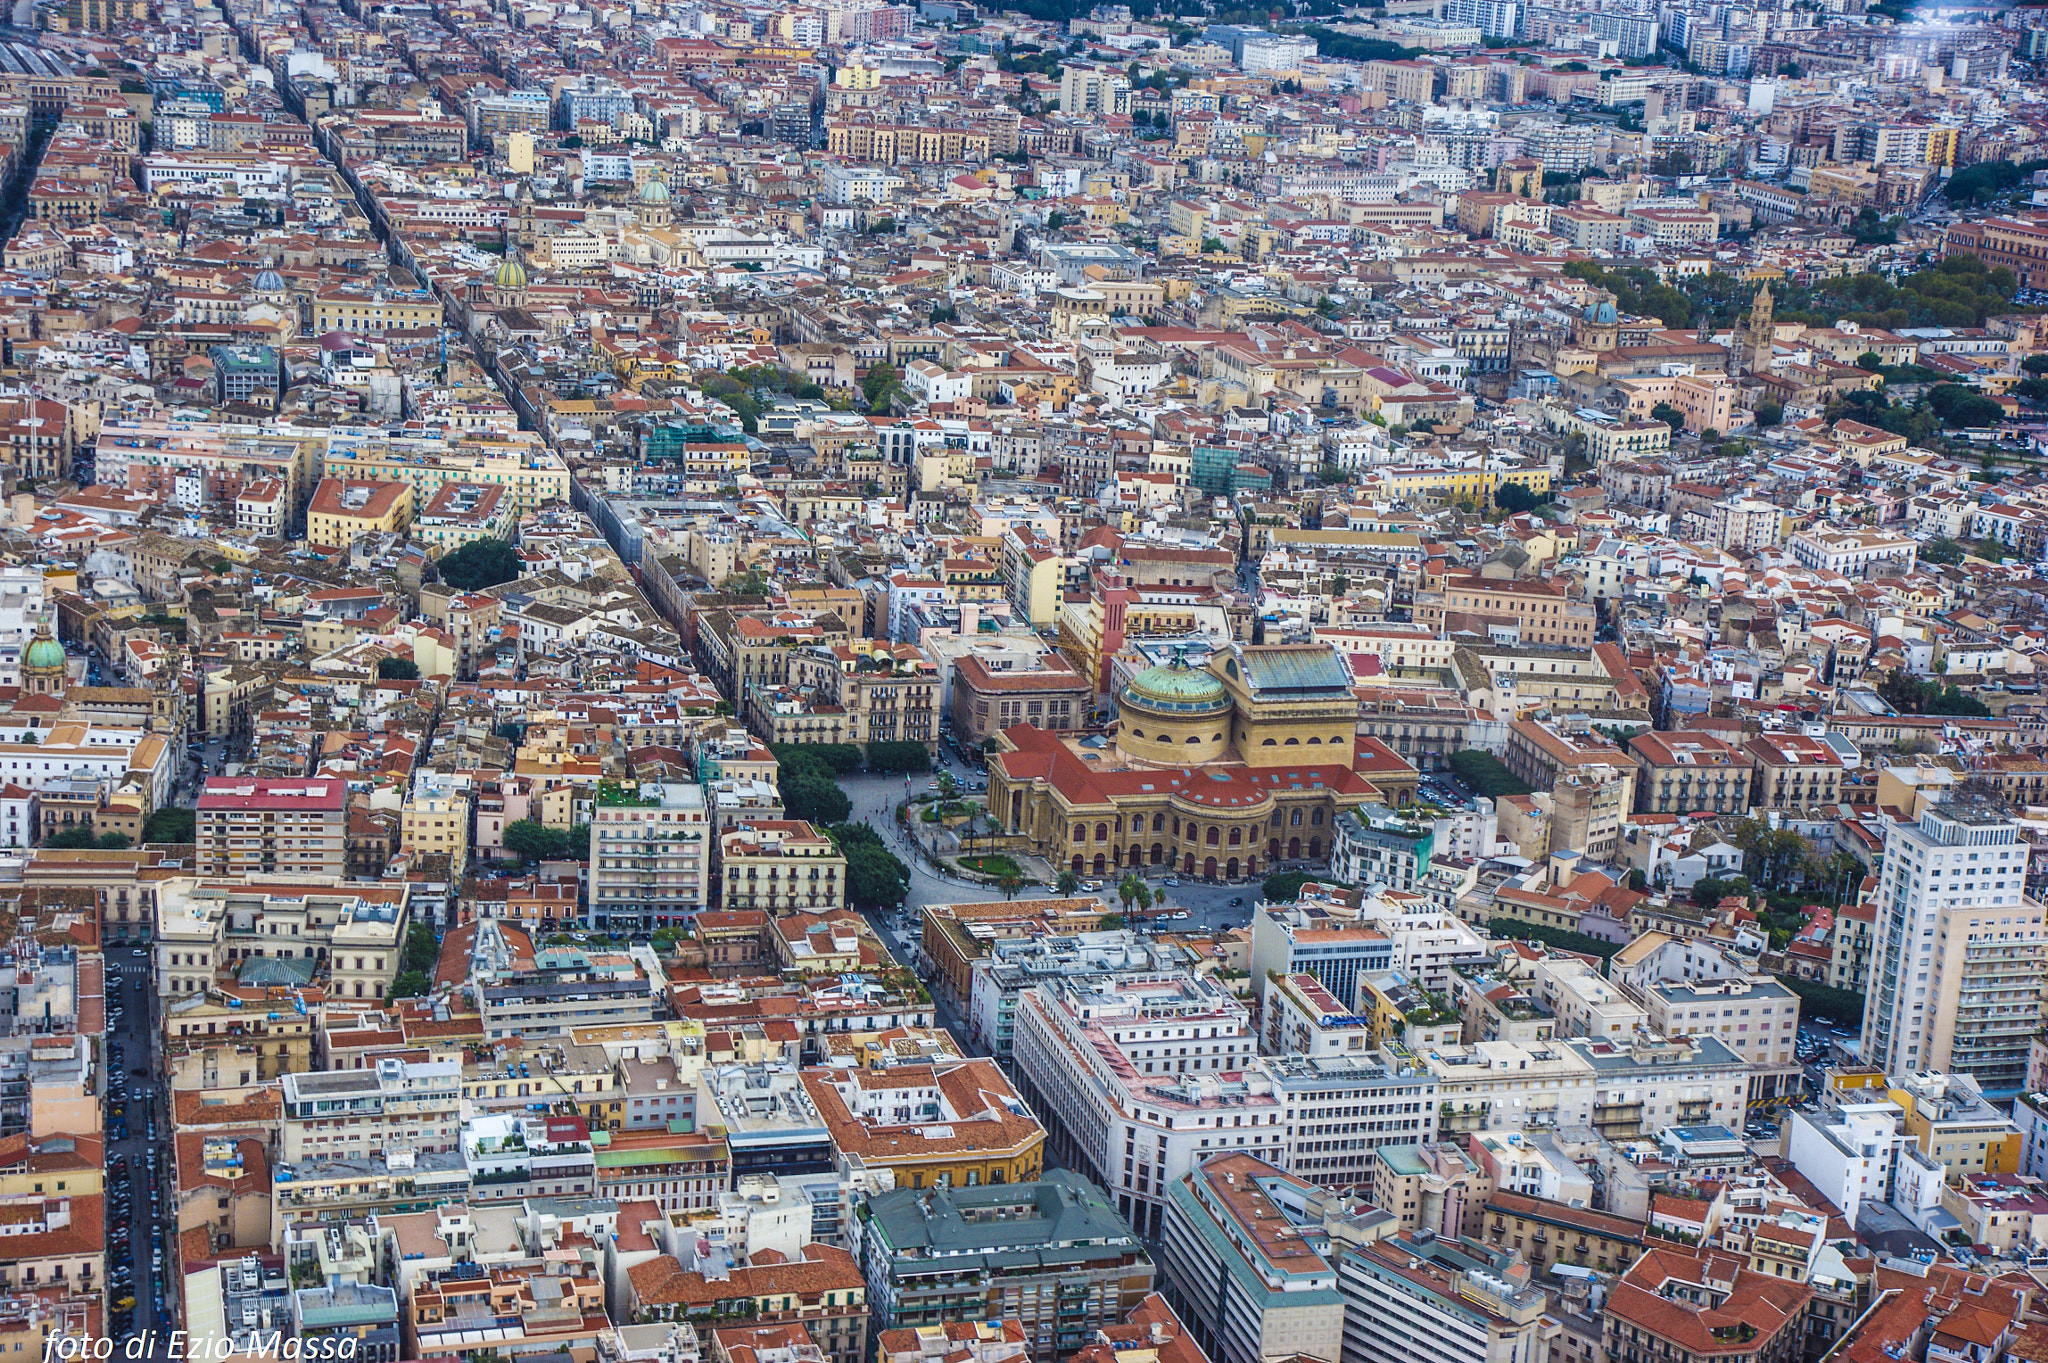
82	837
880	385
1009	882
1213	246
749	583
1109	922
1066	883
1484	773
1708	891
875	877
397	669
1960	407
830	759
1284	887
479	564
1941	549
536	841
412	984
1771	856
1669	415
899	757
173	823
1514	498
422	950
1769	414
1564	939
815	799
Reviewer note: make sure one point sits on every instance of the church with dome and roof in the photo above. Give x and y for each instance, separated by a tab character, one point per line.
44	669
1230	769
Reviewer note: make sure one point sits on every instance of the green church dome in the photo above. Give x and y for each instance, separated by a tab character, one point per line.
44	653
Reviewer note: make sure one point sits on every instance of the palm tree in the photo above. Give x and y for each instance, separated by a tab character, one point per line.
1067	883
1128	889
1009	882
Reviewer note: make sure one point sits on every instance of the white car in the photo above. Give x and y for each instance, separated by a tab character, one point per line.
1180	913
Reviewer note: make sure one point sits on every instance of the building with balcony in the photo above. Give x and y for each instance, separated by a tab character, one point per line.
252	827
1681	1305
1560	1233
650	863
780	866
1499	1086
948	1125
1052	1255
1248	1266
820	1288
1643	1083
1438	1297
1959	952
358	1114
1139	1077
563	994
512	1158
1689	773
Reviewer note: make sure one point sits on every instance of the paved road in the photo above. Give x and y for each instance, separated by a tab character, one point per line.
128	981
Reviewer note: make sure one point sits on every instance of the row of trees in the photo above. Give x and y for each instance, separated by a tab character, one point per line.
809	774
416	963
876	878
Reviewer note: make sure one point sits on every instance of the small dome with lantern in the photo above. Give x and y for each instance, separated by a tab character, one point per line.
654	192
511	276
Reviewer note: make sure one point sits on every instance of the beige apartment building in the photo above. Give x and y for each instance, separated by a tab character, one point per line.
780	865
253	827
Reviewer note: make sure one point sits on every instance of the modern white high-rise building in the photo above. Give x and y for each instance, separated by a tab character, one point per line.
1957	962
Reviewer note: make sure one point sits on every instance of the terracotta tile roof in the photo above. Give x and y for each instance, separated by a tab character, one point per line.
1737	1312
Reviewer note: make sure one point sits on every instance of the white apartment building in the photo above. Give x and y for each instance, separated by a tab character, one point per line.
1853	553
1143	1076
365	1114
650	864
1958	955
1501	1086
1584	1002
1861	1152
1744	523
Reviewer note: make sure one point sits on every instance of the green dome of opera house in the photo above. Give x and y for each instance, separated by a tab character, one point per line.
1174	715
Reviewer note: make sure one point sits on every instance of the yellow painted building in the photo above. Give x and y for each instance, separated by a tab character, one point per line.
437	824
343	510
1969	1137
531	475
967	1126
